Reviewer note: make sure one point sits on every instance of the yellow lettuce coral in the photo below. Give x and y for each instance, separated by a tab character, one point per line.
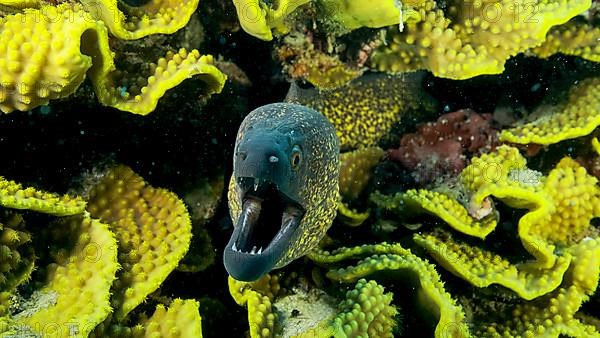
258	17
442	205
154	17
181	319
399	261
366	312
153	229
257	297
573	38
562	204
355	173
579	115
13	195
356	14
483	268
596	145
16	257
471	38
21	3
76	297
47	53
554	315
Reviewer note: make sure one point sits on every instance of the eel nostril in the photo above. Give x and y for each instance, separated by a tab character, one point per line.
273	159
242	155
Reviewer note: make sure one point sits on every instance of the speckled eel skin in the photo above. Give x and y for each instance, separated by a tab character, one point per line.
284	189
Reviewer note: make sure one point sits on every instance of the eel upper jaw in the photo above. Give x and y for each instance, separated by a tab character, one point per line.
264	231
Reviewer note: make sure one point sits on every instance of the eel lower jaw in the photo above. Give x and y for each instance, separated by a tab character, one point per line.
251	254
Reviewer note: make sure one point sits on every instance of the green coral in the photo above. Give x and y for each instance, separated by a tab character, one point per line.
398	261
366	312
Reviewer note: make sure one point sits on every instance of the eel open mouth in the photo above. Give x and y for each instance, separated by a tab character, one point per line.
264	231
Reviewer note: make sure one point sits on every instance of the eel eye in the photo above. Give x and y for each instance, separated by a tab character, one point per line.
296	157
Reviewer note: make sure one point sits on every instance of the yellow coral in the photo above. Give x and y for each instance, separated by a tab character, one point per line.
356	14
395	259
355	173
16	257
76	297
561	204
366	312
579	115
181	319
153	229
573	38
553	316
13	195
483	268
364	110
154	17
258	297
47	53
355	170
20	3
441	205
258	18
471	38
596	145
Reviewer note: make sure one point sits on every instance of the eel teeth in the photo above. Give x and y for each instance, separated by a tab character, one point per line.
260	250
233	247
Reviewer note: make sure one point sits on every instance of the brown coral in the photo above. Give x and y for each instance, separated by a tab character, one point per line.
443	146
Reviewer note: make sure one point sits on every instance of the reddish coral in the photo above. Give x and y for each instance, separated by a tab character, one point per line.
443	147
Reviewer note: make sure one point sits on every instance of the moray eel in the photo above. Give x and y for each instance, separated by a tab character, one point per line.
283	192
365	110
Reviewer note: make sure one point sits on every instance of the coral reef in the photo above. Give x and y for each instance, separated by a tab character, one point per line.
470	225
258	17
78	284
578	116
365	311
555	230
470	38
356	171
13	195
573	38
53	48
258	297
443	147
153	229
302	58
75	293
398	261
17	257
